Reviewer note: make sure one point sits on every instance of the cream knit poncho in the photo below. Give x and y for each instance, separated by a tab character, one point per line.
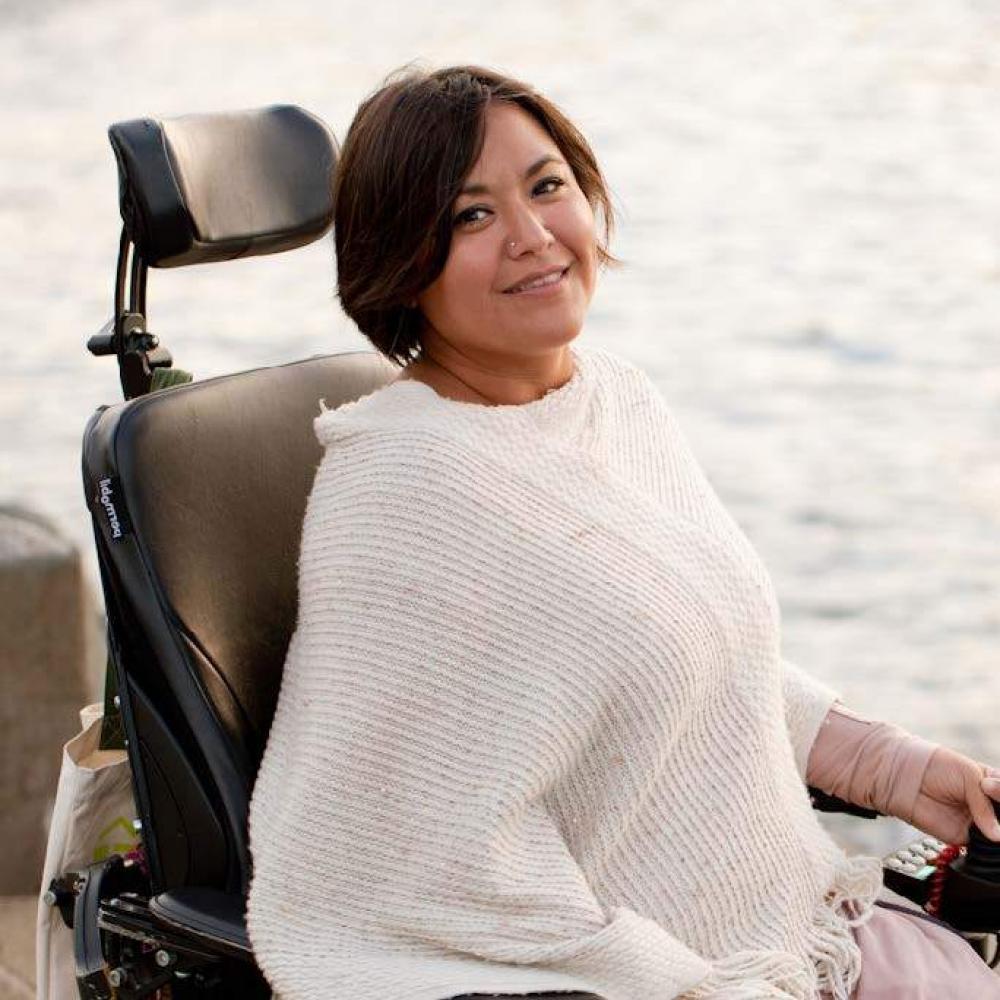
535	731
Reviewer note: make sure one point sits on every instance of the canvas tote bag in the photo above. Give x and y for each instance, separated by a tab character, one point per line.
91	819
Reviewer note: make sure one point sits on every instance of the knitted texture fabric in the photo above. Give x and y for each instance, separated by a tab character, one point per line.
535	731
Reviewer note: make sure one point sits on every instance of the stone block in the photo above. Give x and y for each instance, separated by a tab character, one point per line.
17	947
51	664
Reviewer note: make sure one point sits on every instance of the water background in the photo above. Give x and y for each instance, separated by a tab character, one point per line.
810	216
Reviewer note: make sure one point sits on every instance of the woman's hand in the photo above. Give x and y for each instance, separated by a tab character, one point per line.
955	793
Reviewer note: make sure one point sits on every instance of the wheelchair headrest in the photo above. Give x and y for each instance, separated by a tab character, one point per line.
210	187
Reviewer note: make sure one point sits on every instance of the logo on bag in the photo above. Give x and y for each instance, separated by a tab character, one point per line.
110	499
117	837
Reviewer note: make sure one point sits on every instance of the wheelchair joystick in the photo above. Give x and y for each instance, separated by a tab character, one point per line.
982	858
971	896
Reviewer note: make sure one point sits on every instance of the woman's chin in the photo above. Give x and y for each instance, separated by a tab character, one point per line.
546	339
553	326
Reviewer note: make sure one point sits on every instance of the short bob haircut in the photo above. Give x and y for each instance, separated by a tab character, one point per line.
407	153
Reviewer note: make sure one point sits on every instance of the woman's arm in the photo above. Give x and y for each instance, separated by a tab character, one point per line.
883	767
877	765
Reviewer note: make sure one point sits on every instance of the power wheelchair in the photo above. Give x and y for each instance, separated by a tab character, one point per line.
197	493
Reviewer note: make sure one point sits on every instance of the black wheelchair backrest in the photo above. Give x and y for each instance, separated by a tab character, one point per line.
197	494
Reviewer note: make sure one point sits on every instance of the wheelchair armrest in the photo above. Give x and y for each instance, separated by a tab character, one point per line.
209	916
822	802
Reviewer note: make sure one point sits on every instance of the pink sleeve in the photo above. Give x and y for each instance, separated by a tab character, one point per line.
877	765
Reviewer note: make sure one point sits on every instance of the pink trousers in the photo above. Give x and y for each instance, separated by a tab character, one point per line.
904	955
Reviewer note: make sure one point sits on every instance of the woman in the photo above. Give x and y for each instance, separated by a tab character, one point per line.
535	732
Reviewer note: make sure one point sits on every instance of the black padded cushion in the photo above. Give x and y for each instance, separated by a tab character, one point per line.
212	917
216	919
211	187
214	481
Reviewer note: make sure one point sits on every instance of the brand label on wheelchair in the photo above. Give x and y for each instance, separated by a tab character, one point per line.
109	496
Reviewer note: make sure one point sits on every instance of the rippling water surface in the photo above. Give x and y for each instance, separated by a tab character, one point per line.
811	223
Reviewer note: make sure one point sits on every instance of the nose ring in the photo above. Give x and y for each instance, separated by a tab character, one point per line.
512	244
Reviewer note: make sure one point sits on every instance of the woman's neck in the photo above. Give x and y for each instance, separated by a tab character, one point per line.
446	381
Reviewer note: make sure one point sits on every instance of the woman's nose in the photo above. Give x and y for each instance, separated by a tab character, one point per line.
527	232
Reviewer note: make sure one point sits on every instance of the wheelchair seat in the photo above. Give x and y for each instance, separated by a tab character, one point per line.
208	915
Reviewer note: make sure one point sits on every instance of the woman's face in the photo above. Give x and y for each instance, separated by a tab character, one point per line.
521	213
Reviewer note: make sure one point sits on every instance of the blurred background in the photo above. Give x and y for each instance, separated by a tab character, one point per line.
810	224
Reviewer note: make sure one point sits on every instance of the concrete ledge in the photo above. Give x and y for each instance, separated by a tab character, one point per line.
17	947
51	654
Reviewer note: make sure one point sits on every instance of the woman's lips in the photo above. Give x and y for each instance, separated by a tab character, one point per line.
544	286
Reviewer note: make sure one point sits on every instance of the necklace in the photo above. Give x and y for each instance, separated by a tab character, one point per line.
462	380
492	402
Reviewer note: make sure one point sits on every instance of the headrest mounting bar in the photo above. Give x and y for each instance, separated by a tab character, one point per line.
125	335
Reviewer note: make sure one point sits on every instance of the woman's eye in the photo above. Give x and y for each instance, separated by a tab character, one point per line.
469	215
477	213
556	182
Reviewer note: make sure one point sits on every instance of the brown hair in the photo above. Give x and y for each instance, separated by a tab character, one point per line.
409	149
